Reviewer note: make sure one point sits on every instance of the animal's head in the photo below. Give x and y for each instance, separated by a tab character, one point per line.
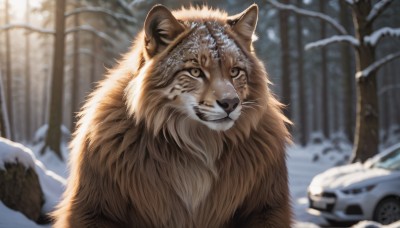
199	64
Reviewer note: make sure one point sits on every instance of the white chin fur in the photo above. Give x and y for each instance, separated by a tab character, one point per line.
219	126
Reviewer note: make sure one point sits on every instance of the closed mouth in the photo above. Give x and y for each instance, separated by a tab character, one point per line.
202	117
220	120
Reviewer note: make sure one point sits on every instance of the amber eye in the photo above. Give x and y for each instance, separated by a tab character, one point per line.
195	72
234	72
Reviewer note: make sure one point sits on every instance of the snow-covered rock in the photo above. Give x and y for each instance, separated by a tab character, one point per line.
52	184
11	152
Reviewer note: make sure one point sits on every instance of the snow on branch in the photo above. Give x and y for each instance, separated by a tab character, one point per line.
310	13
90	29
134	3
377	64
333	39
377	9
90	9
27	27
374	38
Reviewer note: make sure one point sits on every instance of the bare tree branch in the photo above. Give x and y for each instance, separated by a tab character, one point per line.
374	38
27	27
333	39
350	2
125	6
90	29
86	51
310	13
89	9
377	9
377	64
387	88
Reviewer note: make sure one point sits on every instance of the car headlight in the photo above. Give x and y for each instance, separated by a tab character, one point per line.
315	190
355	191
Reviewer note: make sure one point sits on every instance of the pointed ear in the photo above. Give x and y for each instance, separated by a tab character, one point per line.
161	28
244	24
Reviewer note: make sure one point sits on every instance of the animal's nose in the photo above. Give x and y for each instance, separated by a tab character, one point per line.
228	104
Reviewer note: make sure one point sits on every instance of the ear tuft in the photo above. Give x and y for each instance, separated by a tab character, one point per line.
244	24
161	28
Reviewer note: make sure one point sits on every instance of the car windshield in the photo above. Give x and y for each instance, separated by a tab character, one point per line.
391	161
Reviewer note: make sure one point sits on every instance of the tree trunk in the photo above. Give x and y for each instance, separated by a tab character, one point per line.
300	74
324	75
394	108
385	104
45	94
53	137
28	112
4	124
8	73
397	91
75	76
285	60
316	107
348	78
93	62
366	135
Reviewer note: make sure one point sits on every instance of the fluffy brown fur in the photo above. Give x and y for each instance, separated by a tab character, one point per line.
138	161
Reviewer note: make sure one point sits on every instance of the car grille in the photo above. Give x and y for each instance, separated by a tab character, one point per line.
354	209
328	206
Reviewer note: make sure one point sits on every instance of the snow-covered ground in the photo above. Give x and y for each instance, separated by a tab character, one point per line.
303	164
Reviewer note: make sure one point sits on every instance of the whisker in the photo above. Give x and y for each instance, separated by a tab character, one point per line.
252	104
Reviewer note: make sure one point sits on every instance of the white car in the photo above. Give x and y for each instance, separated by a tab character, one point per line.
350	193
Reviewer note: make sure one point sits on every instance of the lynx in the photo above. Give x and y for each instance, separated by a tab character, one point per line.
184	132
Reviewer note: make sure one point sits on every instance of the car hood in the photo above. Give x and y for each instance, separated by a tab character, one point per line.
352	176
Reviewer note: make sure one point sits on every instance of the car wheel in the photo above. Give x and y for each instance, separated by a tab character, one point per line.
387	211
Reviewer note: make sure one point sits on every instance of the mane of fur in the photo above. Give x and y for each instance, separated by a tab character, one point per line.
131	139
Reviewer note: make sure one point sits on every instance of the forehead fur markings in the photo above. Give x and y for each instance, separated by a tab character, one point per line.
225	44
208	42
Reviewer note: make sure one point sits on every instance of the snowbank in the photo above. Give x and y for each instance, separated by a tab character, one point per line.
11	218
370	224
52	162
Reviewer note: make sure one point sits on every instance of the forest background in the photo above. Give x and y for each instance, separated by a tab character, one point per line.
52	53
